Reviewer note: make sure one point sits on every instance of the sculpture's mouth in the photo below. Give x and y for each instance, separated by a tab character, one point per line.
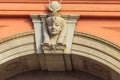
54	31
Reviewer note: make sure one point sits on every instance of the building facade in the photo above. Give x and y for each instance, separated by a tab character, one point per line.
92	38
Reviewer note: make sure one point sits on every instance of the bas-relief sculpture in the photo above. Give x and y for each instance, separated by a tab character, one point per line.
98	69
54	31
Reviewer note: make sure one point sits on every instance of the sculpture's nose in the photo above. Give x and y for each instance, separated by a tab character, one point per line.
53	26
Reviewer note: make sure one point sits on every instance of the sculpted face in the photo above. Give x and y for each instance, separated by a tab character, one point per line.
54	25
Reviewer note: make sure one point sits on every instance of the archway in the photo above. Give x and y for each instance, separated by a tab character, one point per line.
89	54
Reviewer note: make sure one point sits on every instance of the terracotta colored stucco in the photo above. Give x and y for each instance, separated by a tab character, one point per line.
108	29
15	16
11	26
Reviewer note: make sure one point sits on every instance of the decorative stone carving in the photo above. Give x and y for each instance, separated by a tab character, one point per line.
97	69
54	32
54	6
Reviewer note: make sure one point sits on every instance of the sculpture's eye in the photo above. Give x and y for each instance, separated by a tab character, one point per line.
57	24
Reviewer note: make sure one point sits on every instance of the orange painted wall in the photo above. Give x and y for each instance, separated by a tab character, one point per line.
10	26
99	18
108	29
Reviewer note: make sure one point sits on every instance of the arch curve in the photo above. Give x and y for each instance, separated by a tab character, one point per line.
97	47
89	53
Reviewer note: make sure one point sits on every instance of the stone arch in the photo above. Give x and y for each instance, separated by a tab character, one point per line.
89	53
15	53
100	50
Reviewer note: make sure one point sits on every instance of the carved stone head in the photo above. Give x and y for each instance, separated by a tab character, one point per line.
54	25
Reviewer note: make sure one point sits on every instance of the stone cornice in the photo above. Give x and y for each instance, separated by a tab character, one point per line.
64	1
98	39
87	8
22	34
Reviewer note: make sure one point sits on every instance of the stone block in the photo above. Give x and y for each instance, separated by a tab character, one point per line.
97	69
68	63
55	62
77	62
12	67
42	61
30	62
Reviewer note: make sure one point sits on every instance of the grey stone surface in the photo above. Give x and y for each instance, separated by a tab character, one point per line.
37	24
55	62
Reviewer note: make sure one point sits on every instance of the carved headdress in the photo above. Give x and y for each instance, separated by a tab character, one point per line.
54	25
